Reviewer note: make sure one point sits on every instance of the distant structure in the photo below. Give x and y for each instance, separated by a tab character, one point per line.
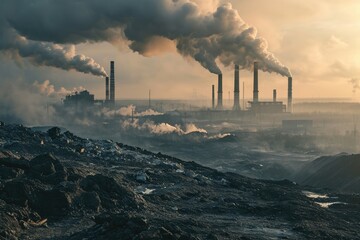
274	95
289	106
220	92
271	107
236	89
107	87
149	98
256	83
112	83
79	100
213	96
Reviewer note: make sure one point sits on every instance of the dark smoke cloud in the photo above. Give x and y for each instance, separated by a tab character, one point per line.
206	37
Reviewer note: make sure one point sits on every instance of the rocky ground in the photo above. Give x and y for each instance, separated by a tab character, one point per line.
54	185
340	172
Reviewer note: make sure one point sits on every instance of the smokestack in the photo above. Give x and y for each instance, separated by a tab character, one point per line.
112	82
274	95
107	88
220	92
213	96
290	94
256	82
237	88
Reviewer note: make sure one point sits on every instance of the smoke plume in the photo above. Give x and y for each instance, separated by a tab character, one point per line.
47	89
208	36
161	128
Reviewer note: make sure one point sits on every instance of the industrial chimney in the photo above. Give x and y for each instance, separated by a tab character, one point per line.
256	83
274	95
213	96
112	82
107	89
236	88
289	94
220	92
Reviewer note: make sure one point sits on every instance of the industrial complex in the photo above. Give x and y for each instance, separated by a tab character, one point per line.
85	99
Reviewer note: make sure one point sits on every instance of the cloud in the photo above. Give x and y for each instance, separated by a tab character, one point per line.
201	30
47	89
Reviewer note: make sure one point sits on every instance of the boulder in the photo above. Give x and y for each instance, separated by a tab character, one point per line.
47	169
54	132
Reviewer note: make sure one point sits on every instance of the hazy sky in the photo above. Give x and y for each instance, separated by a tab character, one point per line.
319	41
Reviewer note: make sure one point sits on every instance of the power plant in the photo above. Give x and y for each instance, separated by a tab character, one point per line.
256	106
85	99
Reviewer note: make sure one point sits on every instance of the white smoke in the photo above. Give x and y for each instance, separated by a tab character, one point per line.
200	29
130	111
162	128
47	89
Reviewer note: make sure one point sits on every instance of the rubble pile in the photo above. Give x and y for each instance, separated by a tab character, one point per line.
55	185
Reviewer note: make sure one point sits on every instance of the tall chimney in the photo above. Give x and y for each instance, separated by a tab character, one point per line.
237	88
290	94
112	82
274	95
213	96
107	89
220	92
256	82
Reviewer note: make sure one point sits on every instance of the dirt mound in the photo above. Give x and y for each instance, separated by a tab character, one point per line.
341	173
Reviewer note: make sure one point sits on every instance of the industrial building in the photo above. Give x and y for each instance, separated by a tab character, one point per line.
256	106
85	99
80	100
268	107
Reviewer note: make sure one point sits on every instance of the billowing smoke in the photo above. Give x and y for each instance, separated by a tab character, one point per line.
47	89
161	128
46	53
208	36
130	111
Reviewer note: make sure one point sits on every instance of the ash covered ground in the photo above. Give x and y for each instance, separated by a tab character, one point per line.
55	185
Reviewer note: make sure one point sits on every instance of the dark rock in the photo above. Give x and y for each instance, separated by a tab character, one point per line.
9	173
47	169
15	163
54	132
51	203
8	159
2	124
90	200
17	192
110	192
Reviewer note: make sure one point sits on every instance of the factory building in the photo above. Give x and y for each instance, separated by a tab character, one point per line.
79	100
268	107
